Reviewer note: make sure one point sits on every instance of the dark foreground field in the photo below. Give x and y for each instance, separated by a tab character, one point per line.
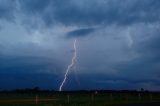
80	99
142	104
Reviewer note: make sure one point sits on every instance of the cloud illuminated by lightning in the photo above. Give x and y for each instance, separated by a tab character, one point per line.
69	66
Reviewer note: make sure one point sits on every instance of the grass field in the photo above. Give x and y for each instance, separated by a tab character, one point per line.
75	99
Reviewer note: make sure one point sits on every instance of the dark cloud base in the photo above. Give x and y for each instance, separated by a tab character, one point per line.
80	32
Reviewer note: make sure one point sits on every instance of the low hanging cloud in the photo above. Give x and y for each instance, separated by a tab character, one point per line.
80	32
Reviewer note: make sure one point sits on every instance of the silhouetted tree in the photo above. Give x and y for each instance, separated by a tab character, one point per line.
142	89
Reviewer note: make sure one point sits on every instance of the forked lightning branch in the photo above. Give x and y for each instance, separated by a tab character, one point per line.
73	61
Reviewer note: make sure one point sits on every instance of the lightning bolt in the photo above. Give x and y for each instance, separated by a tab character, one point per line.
70	66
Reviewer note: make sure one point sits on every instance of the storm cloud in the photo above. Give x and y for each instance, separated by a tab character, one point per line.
117	42
80	32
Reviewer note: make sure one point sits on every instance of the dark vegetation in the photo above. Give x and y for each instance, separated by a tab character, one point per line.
39	97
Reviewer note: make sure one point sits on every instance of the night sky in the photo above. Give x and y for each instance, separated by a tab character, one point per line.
118	44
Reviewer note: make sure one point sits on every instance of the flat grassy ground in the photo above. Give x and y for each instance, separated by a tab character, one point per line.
76	99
